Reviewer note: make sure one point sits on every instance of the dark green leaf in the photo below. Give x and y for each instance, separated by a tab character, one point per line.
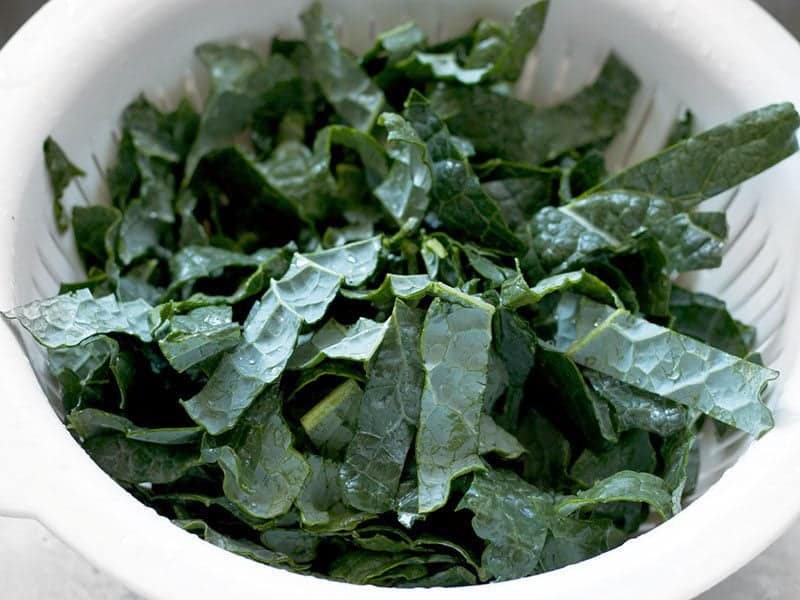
61	172
494	439
516	292
356	98
388	417
91	422
240	82
191	339
681	130
365	567
460	202
72	318
357	342
572	540
270	331
580	175
150	131
405	192
502	126
634	452
312	331
505	515
666	363
86	370
300	546
132	461
504	49
244	548
455	353
515	344
693	240
452	577
331	424
707	319
716	160
445	66
677	455
263	473
548	452
624	486
567	236
638	409
578	407
320	502
521	194
646	269
498	52
395	44
91	225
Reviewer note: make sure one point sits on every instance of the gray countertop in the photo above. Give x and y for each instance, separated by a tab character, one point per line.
35	565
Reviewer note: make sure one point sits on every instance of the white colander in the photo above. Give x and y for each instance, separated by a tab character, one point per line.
71	70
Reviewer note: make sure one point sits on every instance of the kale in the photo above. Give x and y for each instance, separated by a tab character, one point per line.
61	172
375	318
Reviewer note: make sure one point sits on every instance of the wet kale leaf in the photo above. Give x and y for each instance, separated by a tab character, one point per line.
377	319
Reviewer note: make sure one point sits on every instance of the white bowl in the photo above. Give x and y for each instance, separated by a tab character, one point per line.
75	65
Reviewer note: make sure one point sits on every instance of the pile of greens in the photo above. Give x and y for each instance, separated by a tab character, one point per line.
375	319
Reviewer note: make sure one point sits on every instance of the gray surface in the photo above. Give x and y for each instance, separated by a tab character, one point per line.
35	565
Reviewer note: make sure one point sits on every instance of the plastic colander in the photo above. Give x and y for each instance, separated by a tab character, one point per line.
72	69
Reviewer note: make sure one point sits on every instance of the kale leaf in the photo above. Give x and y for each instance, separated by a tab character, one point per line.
379	319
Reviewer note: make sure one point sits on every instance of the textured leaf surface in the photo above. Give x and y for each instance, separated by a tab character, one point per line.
357	342
244	548
405	193
624	486
579	408
515	344
320	501
331	424
665	363
693	241
92	422
677	455
505	515
90	372
518	198
516	292
198	336
91	225
356	98
395	44
240	81
270	332
72	318
496	440
503	49
716	160
388	416
263	473
502	126
323	315
563	237
634	452
707	319
460	202
193	263
638	409
132	461
653	195
61	173
455	353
